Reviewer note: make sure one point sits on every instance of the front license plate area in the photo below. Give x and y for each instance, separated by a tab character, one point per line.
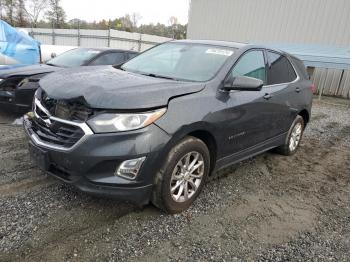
39	157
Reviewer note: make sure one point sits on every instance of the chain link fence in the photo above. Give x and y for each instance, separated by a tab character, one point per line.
95	38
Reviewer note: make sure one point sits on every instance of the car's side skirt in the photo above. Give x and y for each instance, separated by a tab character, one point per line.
250	152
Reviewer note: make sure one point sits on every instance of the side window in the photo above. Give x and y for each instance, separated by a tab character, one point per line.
109	59
280	69
132	55
251	64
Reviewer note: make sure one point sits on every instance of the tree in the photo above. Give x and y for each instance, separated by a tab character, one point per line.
126	23
135	18
56	14
34	8
173	22
22	20
9	7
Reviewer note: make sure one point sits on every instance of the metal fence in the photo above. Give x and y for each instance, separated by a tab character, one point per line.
332	82
95	38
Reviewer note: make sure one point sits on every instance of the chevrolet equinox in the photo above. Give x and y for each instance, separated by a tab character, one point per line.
154	128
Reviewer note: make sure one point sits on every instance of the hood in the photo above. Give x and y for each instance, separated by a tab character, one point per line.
105	87
28	70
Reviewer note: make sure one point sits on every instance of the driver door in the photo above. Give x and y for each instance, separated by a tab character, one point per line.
248	114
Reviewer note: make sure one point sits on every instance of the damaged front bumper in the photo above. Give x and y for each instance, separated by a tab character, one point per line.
92	163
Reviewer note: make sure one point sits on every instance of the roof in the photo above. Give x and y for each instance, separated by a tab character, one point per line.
104	49
317	55
214	42
312	55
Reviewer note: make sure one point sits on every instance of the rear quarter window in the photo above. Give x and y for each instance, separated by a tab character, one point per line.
301	68
280	69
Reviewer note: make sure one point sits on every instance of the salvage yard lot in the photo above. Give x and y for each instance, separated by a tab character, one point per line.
270	207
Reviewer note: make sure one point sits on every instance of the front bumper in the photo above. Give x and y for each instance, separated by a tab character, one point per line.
91	164
18	99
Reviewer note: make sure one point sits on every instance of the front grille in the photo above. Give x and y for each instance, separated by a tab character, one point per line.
72	110
57	133
54	131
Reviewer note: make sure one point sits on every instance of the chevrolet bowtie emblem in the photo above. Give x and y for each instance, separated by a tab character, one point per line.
47	122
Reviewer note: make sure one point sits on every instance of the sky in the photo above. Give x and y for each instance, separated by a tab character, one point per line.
151	11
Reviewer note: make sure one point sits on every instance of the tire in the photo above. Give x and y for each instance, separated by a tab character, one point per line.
172	175
287	149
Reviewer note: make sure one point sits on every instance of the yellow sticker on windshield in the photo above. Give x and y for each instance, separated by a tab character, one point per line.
217	51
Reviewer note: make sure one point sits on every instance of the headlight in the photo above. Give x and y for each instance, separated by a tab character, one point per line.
1	80
107	123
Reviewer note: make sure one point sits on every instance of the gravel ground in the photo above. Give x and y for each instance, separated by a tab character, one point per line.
268	208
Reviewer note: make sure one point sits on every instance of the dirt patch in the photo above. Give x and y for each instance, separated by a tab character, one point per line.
270	207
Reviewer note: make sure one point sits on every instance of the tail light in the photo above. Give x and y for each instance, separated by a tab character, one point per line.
313	89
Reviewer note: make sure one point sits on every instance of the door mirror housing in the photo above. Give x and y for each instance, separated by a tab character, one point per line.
243	83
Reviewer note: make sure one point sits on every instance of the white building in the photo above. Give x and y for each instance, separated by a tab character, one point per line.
317	31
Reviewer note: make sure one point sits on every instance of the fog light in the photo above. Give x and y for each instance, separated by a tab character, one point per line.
130	168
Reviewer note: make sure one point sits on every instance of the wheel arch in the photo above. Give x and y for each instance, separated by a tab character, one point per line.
305	115
210	142
200	131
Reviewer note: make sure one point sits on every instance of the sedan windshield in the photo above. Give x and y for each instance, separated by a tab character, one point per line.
74	57
180	61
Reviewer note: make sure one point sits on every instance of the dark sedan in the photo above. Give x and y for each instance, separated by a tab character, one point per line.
18	85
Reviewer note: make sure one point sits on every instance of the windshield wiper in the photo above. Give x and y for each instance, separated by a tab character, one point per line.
50	64
160	76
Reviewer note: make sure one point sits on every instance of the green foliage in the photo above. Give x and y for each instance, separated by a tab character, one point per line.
56	14
13	12
17	13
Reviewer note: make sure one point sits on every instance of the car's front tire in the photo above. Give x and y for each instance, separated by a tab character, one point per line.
294	137
182	176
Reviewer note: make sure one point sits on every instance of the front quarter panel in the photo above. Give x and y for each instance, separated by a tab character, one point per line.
194	112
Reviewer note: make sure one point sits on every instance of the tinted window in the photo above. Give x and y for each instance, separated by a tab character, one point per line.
109	59
280	69
185	61
251	64
74	57
132	55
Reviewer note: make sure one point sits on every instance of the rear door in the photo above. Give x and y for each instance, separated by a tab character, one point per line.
280	92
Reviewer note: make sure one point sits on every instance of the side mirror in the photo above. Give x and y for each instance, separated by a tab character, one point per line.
243	83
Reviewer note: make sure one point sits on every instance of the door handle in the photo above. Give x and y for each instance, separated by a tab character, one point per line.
297	89
267	96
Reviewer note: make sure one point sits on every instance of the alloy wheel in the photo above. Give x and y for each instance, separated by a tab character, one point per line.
295	137
187	176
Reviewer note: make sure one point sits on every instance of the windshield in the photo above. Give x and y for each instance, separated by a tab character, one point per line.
182	61
74	57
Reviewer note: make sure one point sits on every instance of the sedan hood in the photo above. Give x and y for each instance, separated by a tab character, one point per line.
28	70
105	87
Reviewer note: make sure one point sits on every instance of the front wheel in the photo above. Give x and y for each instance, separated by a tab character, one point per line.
294	137
181	179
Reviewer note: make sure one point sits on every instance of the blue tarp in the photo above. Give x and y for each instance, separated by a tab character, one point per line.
17	46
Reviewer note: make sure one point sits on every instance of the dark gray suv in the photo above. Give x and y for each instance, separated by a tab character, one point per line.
156	127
